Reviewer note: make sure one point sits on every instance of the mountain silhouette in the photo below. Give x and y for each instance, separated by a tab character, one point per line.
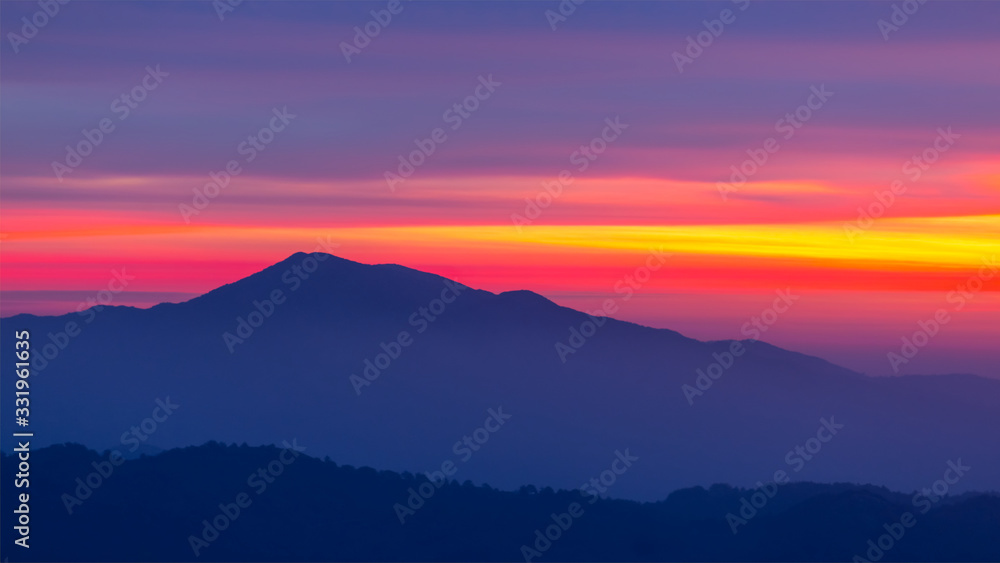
438	372
168	508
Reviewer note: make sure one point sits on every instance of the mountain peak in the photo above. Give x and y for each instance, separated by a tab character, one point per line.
317	342
299	256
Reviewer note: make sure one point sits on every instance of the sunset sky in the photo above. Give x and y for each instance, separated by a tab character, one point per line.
928	92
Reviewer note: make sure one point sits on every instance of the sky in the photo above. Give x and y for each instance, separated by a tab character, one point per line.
824	149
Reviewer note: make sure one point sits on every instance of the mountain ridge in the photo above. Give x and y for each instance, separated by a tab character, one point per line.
308	368
367	510
297	257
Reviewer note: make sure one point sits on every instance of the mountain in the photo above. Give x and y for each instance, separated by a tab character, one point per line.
448	374
151	509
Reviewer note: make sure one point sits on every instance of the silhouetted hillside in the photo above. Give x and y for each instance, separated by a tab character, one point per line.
306	509
307	368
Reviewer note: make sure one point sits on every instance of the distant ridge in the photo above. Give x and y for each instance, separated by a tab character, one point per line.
307	369
312	501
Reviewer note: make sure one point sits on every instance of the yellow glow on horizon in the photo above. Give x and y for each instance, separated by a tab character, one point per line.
900	244
946	242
